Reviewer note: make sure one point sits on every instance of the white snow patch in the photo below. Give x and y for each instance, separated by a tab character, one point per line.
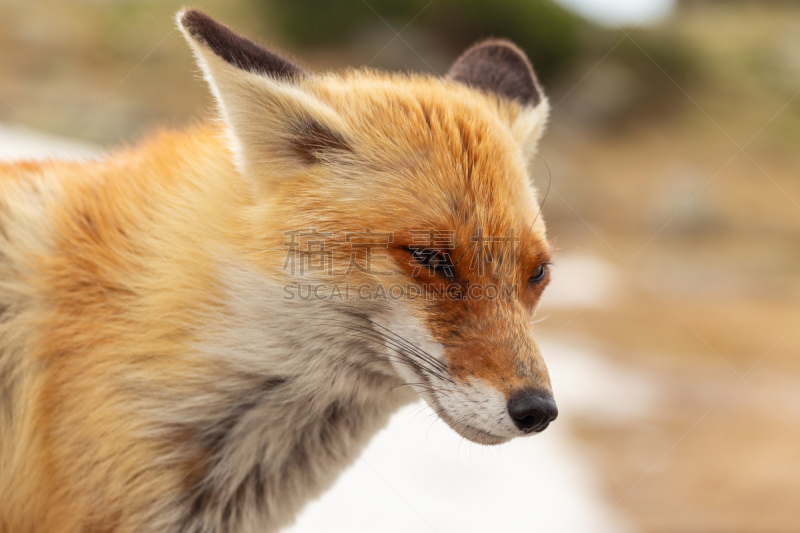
625	13
419	475
586	383
579	279
20	142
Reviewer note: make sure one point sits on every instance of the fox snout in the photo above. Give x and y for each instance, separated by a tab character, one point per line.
496	386
532	410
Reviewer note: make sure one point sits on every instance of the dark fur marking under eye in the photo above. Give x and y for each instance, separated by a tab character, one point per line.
434	261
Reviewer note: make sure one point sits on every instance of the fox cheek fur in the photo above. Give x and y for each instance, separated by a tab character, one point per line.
154	375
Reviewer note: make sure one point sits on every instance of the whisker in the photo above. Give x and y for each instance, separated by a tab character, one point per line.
400	348
421	354
432	360
416	349
547	192
367	333
423	386
540	319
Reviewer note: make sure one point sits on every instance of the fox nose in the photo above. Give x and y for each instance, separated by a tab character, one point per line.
532	409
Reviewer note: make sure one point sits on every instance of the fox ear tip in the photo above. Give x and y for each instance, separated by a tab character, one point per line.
200	26
189	18
235	49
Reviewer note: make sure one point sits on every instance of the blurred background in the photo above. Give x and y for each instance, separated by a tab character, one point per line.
672	328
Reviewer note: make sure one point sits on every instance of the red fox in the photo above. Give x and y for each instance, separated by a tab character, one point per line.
201	332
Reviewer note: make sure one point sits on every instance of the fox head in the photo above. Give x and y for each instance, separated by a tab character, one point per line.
404	203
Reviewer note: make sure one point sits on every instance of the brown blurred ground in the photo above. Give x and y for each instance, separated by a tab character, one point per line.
706	240
703	238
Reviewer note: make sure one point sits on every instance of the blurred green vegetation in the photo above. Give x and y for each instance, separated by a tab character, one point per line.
111	70
558	41
552	36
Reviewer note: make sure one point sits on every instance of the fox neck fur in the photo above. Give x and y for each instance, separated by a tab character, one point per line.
281	399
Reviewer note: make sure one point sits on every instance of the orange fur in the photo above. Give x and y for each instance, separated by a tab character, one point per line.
116	266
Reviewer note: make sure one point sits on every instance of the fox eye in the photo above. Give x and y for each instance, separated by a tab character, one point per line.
539	273
435	261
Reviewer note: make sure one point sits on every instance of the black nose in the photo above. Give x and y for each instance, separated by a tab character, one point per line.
532	409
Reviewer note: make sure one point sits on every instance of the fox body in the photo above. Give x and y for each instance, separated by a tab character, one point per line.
162	367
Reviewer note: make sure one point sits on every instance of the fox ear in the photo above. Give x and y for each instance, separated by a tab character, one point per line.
235	49
500	68
278	126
